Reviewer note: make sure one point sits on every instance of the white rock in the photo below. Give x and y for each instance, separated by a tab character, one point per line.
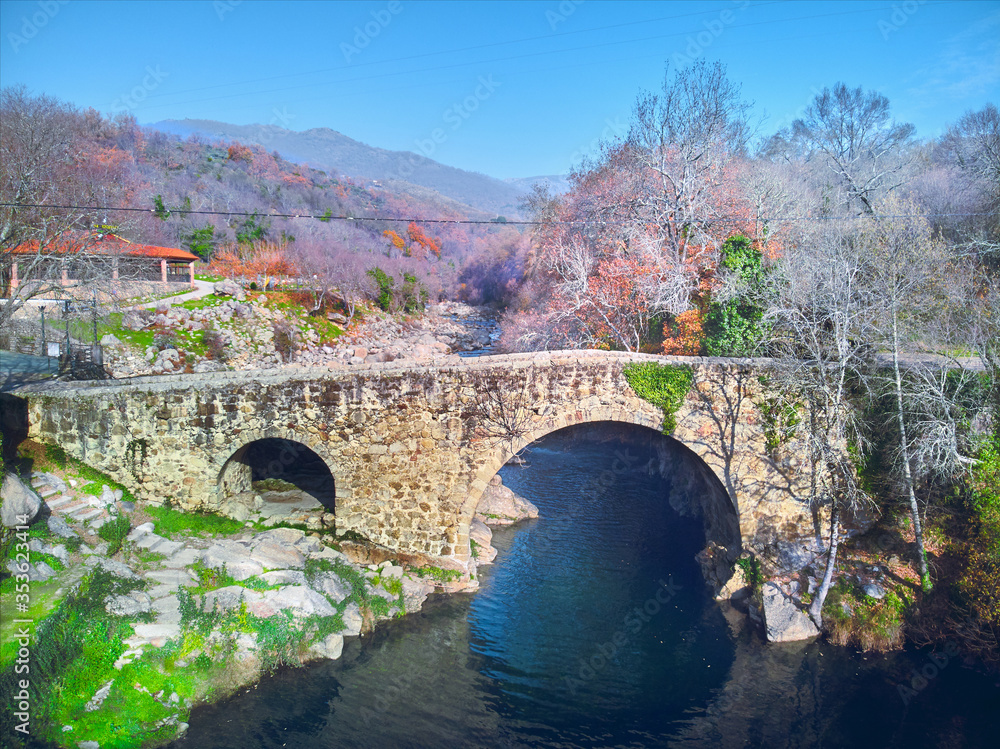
783	621
20	505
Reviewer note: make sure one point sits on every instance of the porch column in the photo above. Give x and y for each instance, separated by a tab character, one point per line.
114	268
191	273
163	271
13	275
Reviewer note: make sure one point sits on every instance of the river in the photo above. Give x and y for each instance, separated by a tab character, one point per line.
594	629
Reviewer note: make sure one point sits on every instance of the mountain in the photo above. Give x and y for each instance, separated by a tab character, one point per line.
558	183
323	148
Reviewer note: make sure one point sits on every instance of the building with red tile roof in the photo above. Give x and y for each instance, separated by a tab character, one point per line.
129	259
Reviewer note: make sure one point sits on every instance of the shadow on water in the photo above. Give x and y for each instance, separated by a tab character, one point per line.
594	629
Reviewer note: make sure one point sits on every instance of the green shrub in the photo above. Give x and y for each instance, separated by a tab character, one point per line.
663	385
114	532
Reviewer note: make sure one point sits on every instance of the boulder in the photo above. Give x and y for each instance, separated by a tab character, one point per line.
783	620
352	620
284	577
235	557
302	601
19	505
330	647
500	506
874	590
330	585
415	592
480	532
229	598
229	288
117	569
277	556
110	340
133	321
131	604
59	527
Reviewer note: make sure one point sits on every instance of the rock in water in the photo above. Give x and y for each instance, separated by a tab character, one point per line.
783	621
330	647
20	505
500	506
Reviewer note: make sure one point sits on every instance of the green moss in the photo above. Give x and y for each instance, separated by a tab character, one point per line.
437	573
663	385
167	522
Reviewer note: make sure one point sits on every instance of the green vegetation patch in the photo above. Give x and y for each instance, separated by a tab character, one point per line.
168	523
853	618
663	385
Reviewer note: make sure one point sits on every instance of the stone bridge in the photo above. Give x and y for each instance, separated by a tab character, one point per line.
412	447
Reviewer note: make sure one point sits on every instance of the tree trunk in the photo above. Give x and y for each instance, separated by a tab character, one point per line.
904	450
816	608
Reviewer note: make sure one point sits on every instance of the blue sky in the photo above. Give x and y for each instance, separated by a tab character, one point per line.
510	89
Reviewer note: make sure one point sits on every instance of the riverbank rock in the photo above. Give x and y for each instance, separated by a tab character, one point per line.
783	620
20	505
501	506
482	536
332	646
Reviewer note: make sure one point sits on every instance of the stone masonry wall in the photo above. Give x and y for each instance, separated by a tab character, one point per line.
412	448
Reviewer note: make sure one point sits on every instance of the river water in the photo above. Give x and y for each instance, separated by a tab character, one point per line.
594	629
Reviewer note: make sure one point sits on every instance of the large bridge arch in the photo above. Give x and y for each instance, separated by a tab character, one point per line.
722	524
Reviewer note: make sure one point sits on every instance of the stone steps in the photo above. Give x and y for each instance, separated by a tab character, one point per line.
60	502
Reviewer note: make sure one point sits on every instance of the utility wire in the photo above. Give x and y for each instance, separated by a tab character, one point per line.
491	222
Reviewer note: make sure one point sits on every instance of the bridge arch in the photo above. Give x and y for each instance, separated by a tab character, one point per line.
284	454
721	516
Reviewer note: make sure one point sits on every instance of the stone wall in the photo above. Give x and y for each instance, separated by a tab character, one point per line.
412	448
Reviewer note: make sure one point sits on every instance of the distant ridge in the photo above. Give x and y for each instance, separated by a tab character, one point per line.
329	150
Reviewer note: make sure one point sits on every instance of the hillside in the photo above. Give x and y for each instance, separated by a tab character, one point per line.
323	148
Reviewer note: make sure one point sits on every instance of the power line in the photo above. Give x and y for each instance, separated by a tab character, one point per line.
492	222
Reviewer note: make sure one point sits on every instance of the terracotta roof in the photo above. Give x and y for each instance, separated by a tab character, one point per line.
105	244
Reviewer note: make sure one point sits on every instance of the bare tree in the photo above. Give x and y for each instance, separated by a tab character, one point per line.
819	322
51	154
682	138
906	271
849	133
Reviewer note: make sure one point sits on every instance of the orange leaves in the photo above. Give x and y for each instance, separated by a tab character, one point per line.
250	260
239	152
422	245
394	239
684	337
